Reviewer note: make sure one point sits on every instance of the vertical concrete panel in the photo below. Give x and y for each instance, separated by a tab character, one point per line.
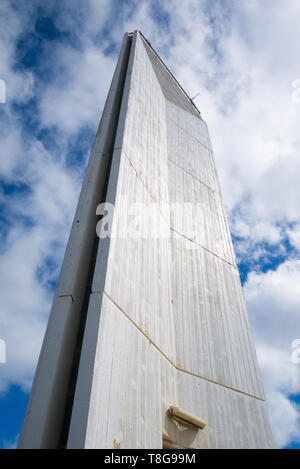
213	337
234	419
132	385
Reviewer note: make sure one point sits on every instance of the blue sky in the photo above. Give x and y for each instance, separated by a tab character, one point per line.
57	60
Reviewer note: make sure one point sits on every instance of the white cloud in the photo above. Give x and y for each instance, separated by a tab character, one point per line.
273	301
38	220
19	86
294	236
24	288
11	444
79	99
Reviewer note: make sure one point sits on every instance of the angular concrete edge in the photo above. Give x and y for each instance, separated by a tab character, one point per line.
40	426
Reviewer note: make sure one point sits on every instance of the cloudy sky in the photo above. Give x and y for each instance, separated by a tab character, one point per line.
242	57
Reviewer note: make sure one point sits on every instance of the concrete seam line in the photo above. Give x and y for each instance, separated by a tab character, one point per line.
202	247
191	136
171	228
170	360
197	179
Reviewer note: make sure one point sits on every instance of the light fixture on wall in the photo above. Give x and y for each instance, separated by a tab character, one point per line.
184	417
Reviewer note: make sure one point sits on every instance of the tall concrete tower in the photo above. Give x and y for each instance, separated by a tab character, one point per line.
148	342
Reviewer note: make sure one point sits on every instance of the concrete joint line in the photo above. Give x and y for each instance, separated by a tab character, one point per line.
197	179
145	187
168	223
170	360
202	247
191	136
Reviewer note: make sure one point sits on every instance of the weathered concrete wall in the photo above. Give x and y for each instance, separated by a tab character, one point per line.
167	322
